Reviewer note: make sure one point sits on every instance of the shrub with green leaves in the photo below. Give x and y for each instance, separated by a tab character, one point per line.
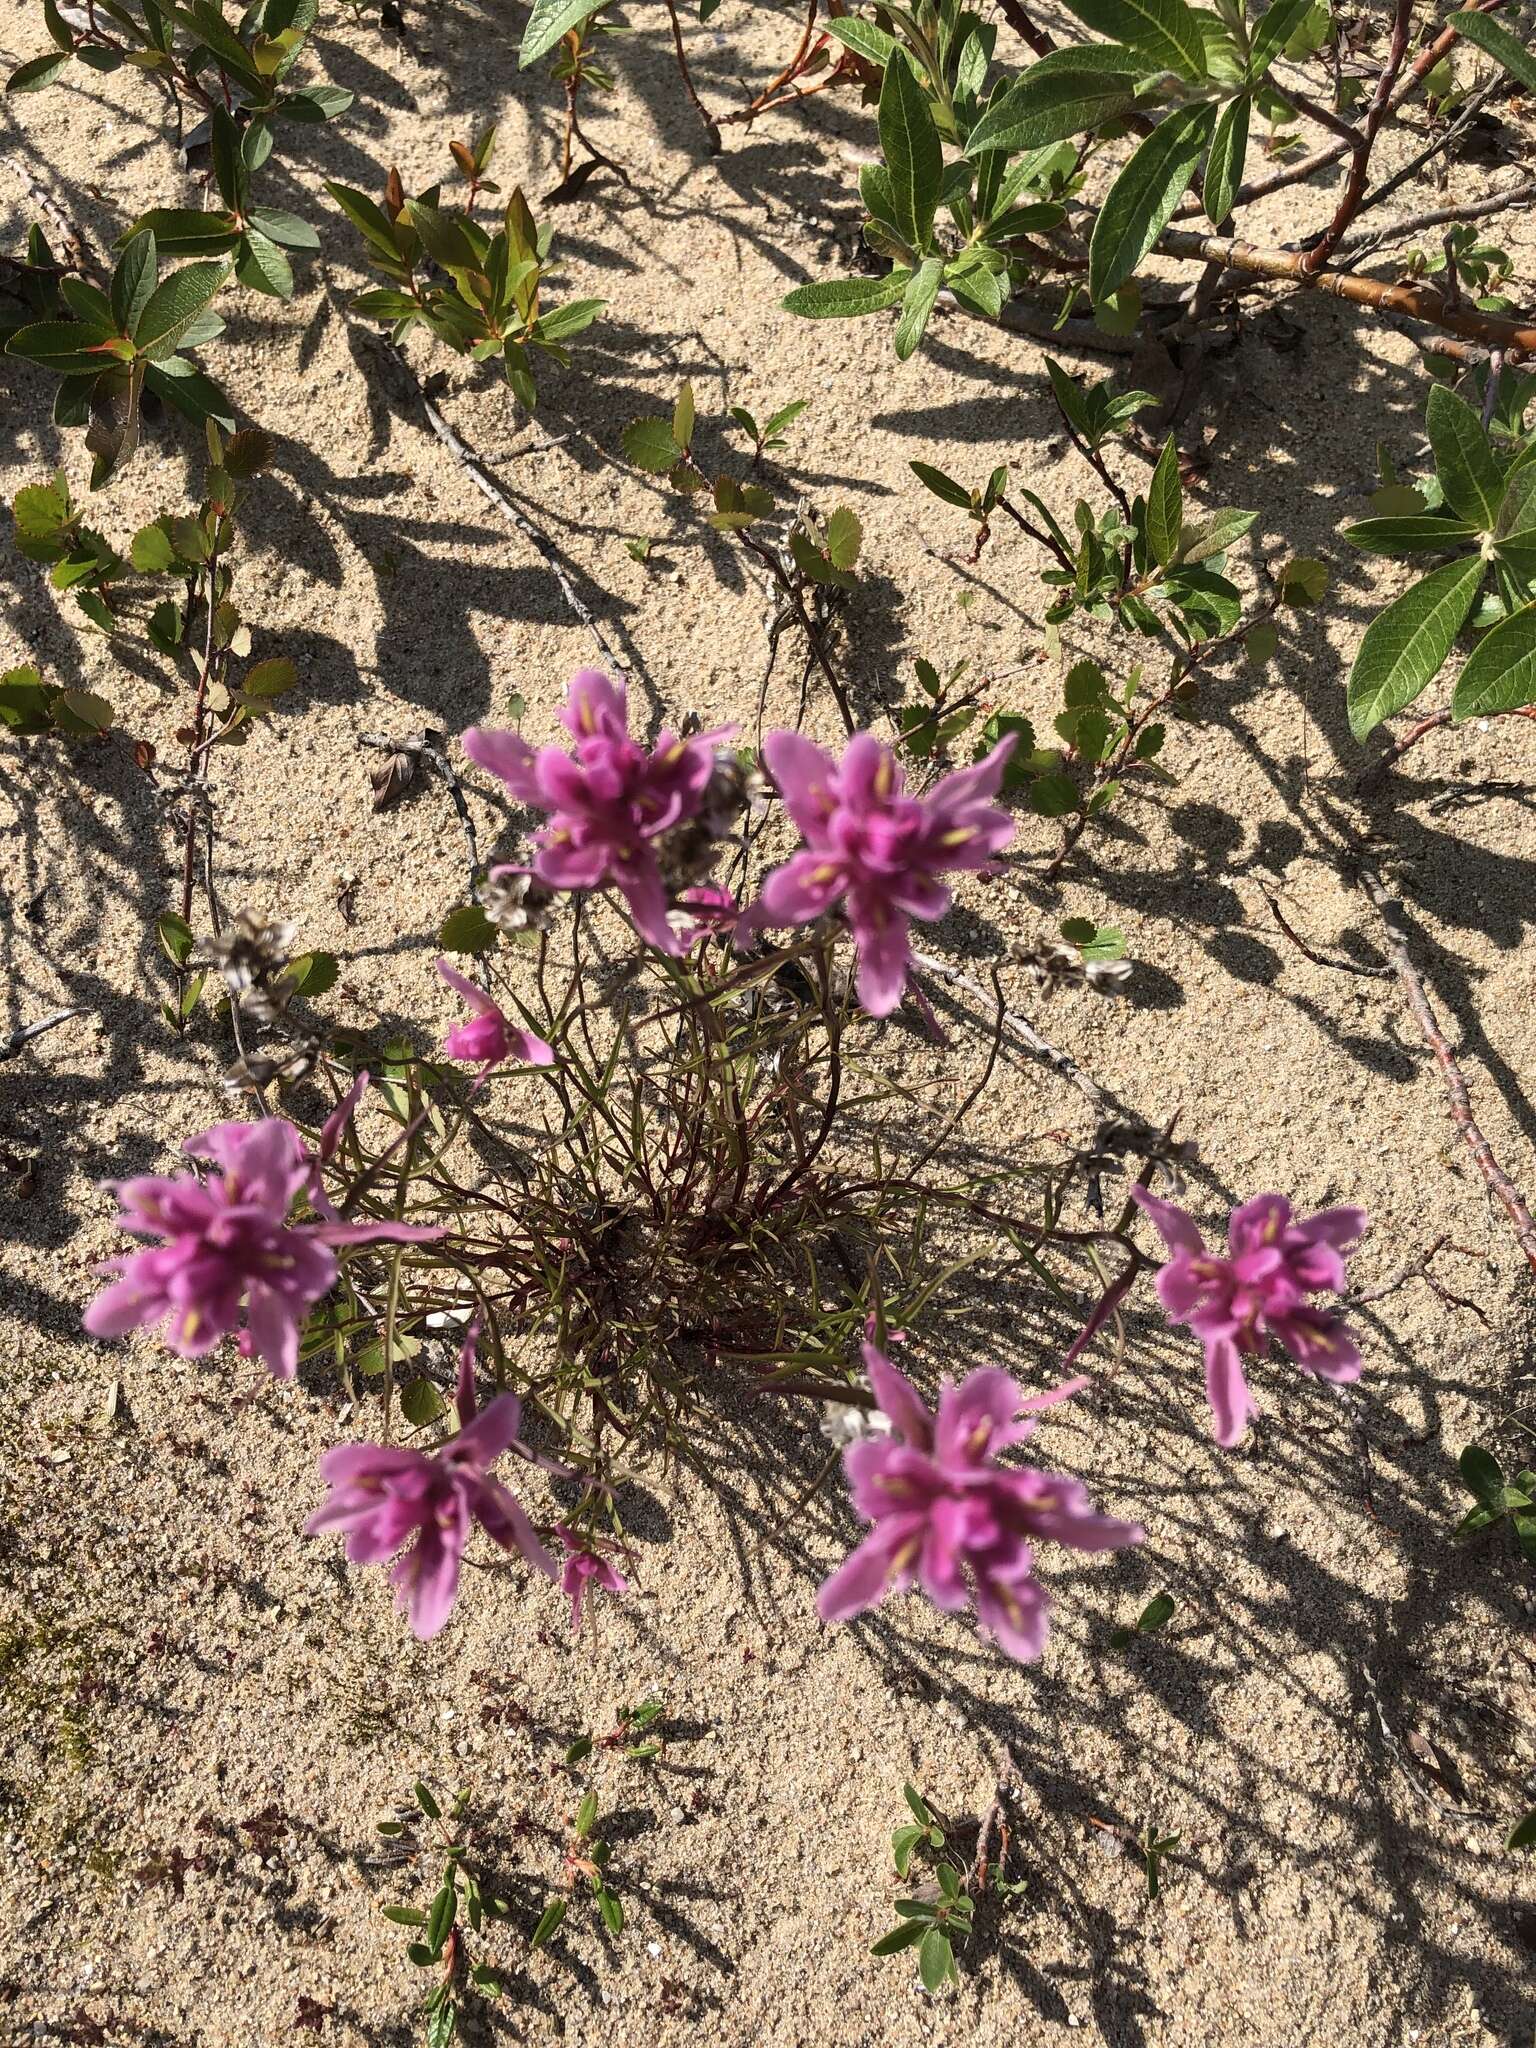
482	292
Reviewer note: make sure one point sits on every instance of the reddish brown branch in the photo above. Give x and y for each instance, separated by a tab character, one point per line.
1379	770
1409	301
1508	1195
1360	165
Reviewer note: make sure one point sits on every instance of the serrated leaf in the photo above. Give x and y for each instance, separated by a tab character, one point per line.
1053	796
862	37
1464	462
650	446
467	930
1407	643
420	1403
313	974
173	306
845	536
270	678
1141	201
81	712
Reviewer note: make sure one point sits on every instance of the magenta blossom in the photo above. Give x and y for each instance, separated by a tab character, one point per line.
488	1038
1235	1305
877	850
227	1239
608	801
386	1497
581	1566
945	1512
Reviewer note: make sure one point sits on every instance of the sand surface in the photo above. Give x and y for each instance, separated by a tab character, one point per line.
176	1663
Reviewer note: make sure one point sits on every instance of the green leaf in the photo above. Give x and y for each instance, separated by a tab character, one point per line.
1491	36
1156	1615
427	1803
683	416
917	303
845	536
650	446
174	305
1224	170
901	1937
1303	580
63	346
549	21
312	974
549	1923
1067	93
909	142
151	551
81	712
1140	203
942	486
1273	32
133	282
846	298
1167	30
1500	673
1219	533
1523	1834
262	267
37	72
1464	461
935	1959
175	936
1406	644
420	1403
1165	506
612	1911
181	231
862	37
574	317
285	228
467	930
1419	533
1053	796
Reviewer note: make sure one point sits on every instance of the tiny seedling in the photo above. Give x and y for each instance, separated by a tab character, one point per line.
1153	1618
1498	1500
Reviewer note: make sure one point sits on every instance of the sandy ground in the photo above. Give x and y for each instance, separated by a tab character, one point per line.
176	1664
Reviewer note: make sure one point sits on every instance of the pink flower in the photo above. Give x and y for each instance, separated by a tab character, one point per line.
945	1513
226	1239
488	1038
877	850
385	1498
582	1565
608	801
1235	1305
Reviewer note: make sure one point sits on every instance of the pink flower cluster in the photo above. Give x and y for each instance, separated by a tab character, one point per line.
608	801
944	1513
1260	1291
226	1242
870	848
388	1498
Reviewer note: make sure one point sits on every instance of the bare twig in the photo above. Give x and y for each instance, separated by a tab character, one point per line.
492	492
1366	242
1419	1269
1409	301
1060	1062
711	127
1389	911
1318	959
1377	773
25	1033
76	248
